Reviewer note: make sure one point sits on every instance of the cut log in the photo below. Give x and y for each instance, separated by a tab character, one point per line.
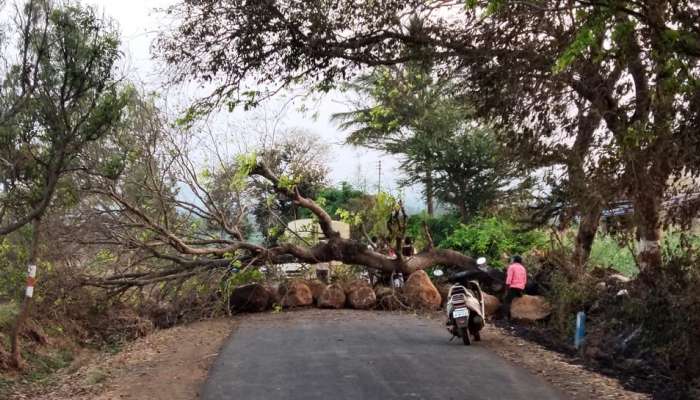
332	297
354	285
362	298
296	294
530	308
491	304
421	293
317	287
249	298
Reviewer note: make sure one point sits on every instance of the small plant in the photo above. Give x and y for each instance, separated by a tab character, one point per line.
44	365
276	308
13	258
8	312
114	347
5	387
96	377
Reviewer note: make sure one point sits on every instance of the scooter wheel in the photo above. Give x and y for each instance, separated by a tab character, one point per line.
464	333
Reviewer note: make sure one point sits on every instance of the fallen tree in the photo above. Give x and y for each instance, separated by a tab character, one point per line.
179	237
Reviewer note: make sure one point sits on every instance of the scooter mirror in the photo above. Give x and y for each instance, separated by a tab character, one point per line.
437	272
481	261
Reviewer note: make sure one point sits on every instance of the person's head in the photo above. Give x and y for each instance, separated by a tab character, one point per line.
408	240
516	259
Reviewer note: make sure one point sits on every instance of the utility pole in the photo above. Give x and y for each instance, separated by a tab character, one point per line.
379	172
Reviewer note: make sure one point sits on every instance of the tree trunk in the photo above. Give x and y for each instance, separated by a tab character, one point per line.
27	302
647	215
429	192
586	193
585	236
463	213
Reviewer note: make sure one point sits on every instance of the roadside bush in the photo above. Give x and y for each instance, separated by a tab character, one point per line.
494	238
645	330
65	307
567	297
13	264
677	244
670	315
87	314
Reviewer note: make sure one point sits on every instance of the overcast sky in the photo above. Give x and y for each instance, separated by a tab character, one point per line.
139	22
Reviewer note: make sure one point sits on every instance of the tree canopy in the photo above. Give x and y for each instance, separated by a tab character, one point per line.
533	69
406	112
71	98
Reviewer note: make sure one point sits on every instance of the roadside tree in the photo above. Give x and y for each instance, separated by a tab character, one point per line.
69	99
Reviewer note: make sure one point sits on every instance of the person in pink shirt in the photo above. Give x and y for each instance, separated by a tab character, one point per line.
516	279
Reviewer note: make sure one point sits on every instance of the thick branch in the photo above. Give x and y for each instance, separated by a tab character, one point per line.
324	220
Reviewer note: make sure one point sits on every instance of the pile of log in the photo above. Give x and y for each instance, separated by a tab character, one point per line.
418	293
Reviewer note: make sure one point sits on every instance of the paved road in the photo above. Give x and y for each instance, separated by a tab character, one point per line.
314	355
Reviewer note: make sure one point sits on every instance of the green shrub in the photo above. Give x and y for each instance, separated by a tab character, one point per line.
44	365
494	238
677	244
440	228
8	312
343	273
13	264
607	252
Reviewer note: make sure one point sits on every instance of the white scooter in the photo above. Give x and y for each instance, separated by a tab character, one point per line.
465	310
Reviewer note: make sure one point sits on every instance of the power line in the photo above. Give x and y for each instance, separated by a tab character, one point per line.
379	172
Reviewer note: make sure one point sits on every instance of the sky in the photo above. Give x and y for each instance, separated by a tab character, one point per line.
140	21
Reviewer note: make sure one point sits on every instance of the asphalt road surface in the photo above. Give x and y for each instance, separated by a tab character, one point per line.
313	355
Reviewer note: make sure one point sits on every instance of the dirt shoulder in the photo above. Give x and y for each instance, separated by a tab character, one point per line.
573	379
168	364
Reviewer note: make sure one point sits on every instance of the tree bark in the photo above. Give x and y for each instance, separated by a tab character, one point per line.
25	310
585	236
463	213
588	196
647	208
651	182
349	251
429	192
